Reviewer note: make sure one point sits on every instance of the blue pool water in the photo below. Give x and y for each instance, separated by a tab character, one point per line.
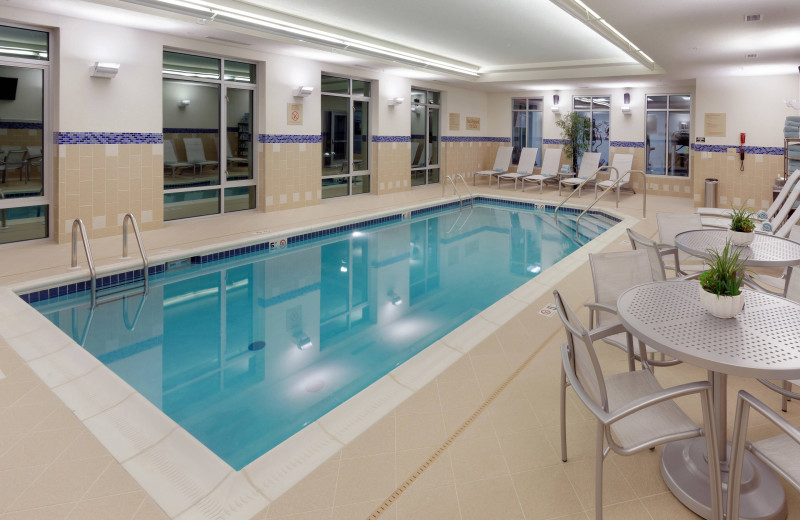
245	352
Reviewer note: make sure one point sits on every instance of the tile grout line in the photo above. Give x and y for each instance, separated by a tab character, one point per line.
446	444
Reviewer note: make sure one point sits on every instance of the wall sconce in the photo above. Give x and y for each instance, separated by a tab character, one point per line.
303	91
626	103
555	108
183	103
396	101
303	342
104	69
395	298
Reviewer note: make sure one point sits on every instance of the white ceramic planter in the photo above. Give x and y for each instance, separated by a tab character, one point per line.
721	306
738	238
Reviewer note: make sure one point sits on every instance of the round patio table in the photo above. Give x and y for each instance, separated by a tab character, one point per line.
763	341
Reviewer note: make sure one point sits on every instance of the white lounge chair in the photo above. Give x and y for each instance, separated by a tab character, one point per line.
527	162
502	161
589	164
769	213
14	160
171	158
620	167
196	155
549	170
774	226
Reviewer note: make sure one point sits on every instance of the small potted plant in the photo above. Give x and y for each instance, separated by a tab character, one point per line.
720	284
742	230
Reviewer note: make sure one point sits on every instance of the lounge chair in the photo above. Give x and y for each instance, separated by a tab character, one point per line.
765	215
196	155
502	161
549	170
620	167
232	160
669	225
589	164
14	160
527	162
780	453
634	413
171	158
775	225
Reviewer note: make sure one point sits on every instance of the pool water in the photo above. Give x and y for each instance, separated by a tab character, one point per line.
245	352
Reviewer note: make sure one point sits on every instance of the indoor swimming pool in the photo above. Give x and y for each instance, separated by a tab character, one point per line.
244	352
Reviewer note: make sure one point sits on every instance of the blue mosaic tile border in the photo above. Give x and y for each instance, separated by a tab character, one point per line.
21	125
158	271
723	148
391	138
469	139
289	138
627	144
191	130
555	141
107	138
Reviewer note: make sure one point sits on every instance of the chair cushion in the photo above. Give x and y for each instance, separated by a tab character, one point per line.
649	424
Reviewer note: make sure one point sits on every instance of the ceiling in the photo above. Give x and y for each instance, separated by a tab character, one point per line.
515	45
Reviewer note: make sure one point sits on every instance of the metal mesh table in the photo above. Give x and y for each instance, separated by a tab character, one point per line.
763	341
764	251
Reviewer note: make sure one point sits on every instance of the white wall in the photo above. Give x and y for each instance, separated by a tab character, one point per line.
753	105
467	103
283	74
28	103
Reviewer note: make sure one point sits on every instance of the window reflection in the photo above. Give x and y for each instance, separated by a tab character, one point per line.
425	115
667	134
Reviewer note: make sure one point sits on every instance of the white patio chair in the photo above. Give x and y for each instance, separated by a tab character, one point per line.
633	411
527	162
549	170
195	153
502	161
620	168
766	215
781	453
171	158
588	169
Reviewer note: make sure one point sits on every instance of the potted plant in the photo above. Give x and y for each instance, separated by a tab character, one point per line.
720	284
575	130
742	230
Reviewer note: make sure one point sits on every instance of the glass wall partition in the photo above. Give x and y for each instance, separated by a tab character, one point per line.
345	136
667	134
208	106
25	183
596	108
425	111
526	127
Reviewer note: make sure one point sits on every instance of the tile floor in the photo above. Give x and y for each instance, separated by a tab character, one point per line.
480	441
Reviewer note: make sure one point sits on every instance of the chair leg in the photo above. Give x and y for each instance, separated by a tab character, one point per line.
563	410
598	472
736	459
784	399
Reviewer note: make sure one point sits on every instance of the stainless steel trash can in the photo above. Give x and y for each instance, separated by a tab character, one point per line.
710	200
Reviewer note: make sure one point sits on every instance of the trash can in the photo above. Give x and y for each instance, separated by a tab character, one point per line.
711	193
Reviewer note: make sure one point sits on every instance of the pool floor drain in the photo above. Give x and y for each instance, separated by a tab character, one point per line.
256	345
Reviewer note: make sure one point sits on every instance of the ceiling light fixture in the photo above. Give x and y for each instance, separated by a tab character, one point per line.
593	20
251	20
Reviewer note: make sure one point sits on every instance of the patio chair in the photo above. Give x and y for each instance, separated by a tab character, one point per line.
171	158
633	411
501	163
549	170
620	168
612	274
771	211
15	160
195	153
781	453
669	225
588	169
527	162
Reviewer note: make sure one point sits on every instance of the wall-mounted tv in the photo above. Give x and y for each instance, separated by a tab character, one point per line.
8	88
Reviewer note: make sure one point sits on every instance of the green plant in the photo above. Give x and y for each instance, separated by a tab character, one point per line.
575	130
725	271
742	220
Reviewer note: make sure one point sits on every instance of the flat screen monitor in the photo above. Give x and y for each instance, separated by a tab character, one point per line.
8	88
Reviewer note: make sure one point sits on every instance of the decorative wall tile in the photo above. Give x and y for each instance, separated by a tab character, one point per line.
555	141
107	138
723	148
627	144
289	138
469	139
391	138
21	125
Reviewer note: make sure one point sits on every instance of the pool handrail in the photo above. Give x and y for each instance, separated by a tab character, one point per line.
77	226
611	187
130	218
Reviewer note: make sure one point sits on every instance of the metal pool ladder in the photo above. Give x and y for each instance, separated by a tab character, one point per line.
461	200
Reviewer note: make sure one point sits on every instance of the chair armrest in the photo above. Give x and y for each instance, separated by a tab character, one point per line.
594	306
606	330
772	386
666	394
769	414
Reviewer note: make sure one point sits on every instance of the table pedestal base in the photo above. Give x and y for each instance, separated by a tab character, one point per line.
684	467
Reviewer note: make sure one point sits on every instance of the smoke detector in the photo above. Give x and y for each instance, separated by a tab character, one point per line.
752	18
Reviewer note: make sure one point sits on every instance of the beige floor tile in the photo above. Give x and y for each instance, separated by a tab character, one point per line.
491	371
481	425
365	478
477	458
362	510
420	430
665	506
631	510
39	395
323	514
546	493
424	400
528	449
23	419
62	482
580	439
491	498
12	390
438	473
85	446
115	480
642	471
118	507
314	492
379	438
460	393
14	481
38	448
430	503
61	418
615	487
41	513
149	510
511	412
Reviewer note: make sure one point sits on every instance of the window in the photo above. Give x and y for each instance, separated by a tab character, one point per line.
208	106
425	112
526	127
596	108
345	136
667	141
24	154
